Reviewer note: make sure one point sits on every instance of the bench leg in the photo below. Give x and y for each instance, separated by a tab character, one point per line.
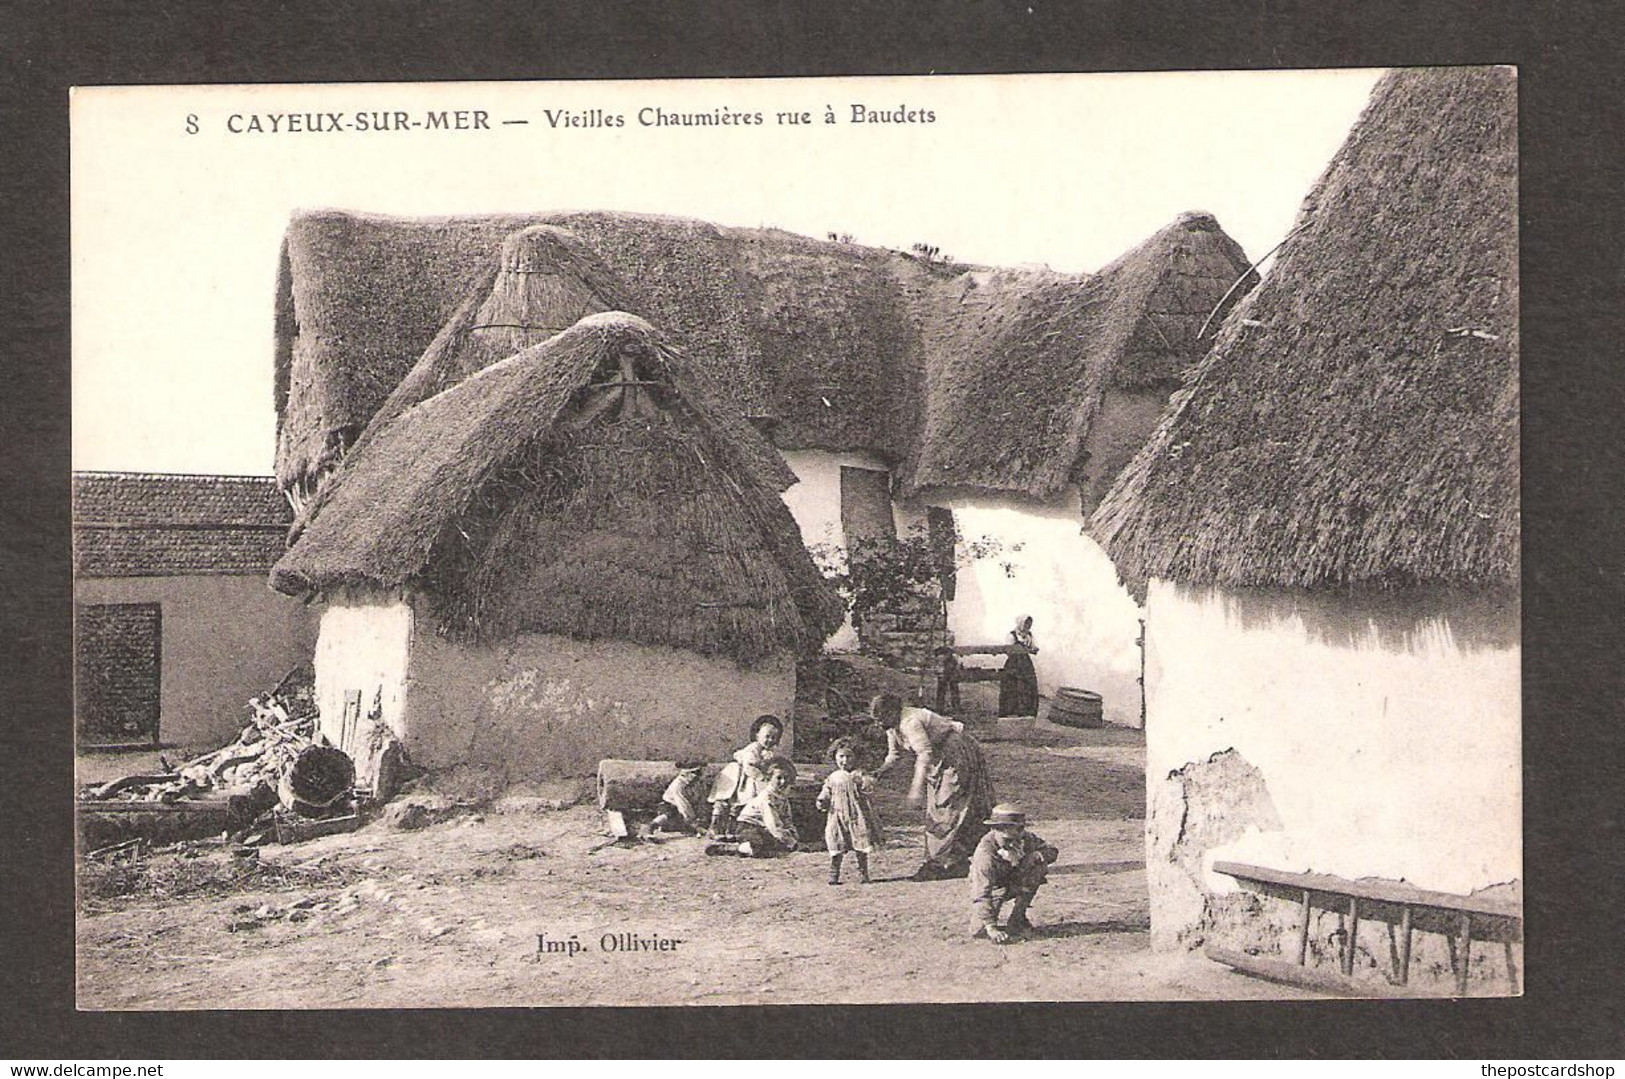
1354	934
1303	932
1405	946
1466	952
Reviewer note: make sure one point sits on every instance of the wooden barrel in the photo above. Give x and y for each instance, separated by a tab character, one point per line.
1073	707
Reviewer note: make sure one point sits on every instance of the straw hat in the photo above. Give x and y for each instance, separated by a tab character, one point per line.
1007	814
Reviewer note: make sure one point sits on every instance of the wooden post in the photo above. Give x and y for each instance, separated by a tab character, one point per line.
1405	946
1512	967
1466	951
1354	933
1303	932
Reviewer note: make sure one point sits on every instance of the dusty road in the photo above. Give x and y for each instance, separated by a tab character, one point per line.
452	914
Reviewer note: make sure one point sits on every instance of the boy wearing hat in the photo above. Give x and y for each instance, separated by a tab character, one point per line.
1009	865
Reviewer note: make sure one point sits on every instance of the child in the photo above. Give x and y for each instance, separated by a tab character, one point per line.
852	824
745	776
678	811
1010	863
766	823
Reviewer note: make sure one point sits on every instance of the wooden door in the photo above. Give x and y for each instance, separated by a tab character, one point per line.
117	664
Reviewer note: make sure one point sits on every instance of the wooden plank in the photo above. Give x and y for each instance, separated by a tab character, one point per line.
1319	979
1378	891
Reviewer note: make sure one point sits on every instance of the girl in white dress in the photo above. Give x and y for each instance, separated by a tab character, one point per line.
852	824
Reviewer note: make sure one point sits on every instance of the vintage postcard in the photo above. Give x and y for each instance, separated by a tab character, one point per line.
1017	538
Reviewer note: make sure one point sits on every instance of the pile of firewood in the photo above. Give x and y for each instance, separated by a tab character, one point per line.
283	725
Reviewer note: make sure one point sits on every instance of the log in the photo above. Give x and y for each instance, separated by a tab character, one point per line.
101	824
637	785
319	776
983	650
107	790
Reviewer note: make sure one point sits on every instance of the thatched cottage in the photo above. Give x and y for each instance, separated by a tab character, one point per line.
573	553
1325	528
174	629
892	386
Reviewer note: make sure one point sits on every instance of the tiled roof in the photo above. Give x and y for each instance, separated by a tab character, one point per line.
135	524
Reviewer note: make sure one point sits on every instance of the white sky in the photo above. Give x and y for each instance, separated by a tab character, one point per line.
175	235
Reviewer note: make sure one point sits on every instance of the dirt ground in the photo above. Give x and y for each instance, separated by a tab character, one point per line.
452	914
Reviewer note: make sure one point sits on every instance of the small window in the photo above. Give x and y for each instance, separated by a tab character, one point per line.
116	673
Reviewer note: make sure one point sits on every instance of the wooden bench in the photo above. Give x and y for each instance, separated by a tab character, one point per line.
1460	919
952	673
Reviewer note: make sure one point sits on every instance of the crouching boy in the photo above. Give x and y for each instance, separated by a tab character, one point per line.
679	806
1009	866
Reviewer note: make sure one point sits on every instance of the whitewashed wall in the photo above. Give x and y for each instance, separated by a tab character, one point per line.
538	706
1388	734
364	646
1085	623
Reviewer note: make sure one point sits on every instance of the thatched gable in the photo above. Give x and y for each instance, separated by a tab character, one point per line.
1356	421
1020	358
826	345
591	485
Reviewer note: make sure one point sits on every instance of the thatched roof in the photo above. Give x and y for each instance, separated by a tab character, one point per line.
1356	421
531	496
827	345
358	300
1019	359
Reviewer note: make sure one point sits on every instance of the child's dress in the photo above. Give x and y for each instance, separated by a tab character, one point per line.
852	823
744	777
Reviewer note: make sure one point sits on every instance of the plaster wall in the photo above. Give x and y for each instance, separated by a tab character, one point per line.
1085	623
225	639
542	706
1386	731
538	706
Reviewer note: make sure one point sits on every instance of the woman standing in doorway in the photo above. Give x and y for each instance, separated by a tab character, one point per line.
951	781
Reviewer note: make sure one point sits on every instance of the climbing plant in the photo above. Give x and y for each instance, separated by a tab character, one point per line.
875	575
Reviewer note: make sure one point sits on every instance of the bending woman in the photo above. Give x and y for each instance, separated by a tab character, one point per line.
950	779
